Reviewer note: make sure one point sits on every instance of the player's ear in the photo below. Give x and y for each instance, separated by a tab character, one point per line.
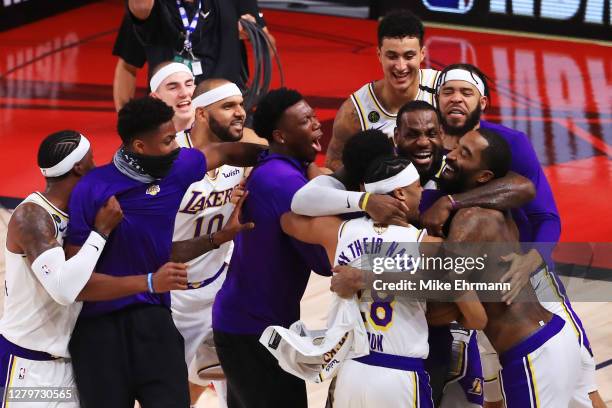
423	53
138	146
399	193
277	136
200	114
395	135
484	176
154	94
484	101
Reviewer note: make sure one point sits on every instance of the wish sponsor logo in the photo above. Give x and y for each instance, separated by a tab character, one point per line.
230	173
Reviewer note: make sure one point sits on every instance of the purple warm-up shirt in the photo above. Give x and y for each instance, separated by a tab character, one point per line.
269	270
142	242
538	220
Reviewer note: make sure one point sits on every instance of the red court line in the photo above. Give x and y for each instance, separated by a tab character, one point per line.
548	119
584	135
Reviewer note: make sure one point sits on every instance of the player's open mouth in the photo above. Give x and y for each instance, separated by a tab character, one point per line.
401	77
422	157
455	113
448	170
316	144
237	124
184	105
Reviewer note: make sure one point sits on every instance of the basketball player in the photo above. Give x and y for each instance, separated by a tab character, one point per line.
462	96
205	209
173	83
375	105
528	338
149	176
42	288
393	373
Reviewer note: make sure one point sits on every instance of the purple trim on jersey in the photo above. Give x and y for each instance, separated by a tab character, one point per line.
208	281
403	363
472	381
392	361
533	342
516	373
9	348
142	242
269	270
538	220
583	338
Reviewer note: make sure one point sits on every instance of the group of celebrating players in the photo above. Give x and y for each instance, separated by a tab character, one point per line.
124	280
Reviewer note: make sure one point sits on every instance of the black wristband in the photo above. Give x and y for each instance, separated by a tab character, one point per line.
210	240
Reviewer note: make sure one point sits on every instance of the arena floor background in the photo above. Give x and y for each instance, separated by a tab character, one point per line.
57	73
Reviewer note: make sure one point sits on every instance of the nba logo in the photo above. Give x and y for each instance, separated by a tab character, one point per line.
46	269
22	372
449	6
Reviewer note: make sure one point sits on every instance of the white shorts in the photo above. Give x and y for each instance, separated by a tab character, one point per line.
192	315
543	370
547	288
464	386
490	369
49	384
361	385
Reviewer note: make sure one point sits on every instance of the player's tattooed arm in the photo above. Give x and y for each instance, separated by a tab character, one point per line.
31	231
346	124
184	251
234	154
510	191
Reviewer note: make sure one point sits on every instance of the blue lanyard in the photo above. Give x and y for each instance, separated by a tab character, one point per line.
189	26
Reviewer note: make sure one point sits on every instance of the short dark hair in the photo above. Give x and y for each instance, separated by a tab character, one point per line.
56	147
497	156
383	167
474	70
142	115
415	106
270	109
361	149
400	24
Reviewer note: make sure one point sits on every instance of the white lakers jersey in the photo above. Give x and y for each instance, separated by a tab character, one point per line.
205	209
32	319
371	113
394	325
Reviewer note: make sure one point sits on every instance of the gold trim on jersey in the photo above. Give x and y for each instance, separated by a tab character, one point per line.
53	207
378	104
215	174
359	109
433	86
341	229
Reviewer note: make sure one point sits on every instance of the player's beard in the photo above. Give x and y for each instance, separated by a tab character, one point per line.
470	123
222	132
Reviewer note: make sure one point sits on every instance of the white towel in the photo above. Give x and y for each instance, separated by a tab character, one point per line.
316	355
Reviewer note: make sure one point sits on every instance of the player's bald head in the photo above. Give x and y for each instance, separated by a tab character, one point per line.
209	85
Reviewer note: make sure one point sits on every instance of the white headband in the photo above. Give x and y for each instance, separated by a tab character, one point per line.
69	161
165	72
463	75
215	95
402	179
